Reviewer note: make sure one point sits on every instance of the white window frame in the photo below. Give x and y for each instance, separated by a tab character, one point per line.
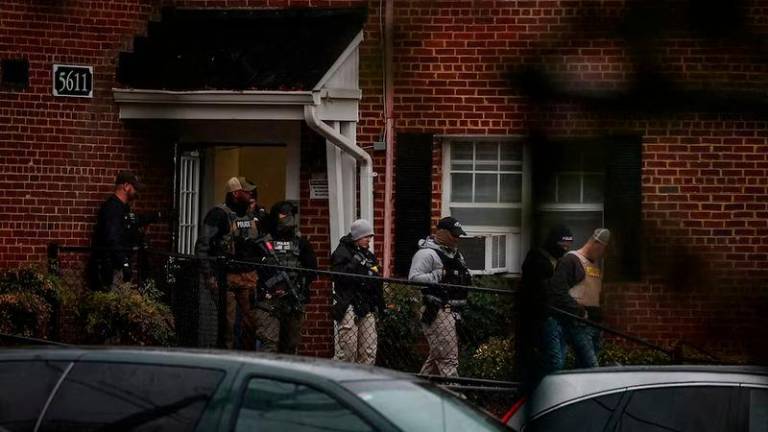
189	201
514	249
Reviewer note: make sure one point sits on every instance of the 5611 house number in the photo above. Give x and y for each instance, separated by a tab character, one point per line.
73	81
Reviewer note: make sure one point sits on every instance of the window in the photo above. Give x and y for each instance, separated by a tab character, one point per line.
420	407
569	187
26	387
758	410
591	415
189	199
136	397
277	406
682	409
484	190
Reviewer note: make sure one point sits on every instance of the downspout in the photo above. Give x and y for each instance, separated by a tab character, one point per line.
346	145
388	133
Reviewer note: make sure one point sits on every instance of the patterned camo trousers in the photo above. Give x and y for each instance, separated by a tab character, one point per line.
239	287
356	338
443	342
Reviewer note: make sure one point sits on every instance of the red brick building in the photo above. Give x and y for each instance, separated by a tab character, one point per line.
511	115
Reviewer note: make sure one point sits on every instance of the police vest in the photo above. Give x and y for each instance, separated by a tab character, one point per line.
587	292
287	253
241	229
456	271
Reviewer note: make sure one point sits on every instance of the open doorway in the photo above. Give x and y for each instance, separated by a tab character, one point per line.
264	166
266	153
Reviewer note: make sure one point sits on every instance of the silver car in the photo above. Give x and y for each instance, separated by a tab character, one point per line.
647	399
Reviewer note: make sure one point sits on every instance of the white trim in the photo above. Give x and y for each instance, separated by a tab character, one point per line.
488	229
219	97
516	238
332	104
484	205
445	201
571	207
340	60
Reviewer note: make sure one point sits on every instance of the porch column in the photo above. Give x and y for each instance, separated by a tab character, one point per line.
342	191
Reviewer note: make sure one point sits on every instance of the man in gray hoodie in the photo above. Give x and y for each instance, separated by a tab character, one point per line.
439	261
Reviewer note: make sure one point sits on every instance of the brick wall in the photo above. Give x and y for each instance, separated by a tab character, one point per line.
318	329
704	173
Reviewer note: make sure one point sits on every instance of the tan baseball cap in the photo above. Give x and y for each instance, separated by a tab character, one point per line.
239	183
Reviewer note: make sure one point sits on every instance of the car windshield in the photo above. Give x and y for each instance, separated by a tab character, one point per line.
422	407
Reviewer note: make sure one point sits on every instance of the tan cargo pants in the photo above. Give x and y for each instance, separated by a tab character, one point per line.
356	338
443	358
239	287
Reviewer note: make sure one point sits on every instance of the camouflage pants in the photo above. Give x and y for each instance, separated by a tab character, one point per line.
267	326
443	358
240	286
356	338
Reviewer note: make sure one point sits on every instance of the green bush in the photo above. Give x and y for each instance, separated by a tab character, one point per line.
126	316
618	354
29	303
399	329
491	360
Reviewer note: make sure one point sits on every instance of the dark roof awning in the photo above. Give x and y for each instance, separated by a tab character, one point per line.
267	49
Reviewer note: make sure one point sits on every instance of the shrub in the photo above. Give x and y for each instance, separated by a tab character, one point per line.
29	303
126	316
491	360
618	354
399	329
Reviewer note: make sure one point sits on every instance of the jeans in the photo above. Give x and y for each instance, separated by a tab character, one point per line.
585	341
552	345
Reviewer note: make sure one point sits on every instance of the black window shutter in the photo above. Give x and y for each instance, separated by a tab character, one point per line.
623	207
413	196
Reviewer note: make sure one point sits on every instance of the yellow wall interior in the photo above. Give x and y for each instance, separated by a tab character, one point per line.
262	165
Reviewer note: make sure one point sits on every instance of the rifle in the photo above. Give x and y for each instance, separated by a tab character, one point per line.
274	280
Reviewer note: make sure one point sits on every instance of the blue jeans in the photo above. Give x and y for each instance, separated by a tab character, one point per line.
552	346
585	341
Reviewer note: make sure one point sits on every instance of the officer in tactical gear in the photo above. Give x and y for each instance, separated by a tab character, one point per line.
117	234
439	261
282	293
356	301
226	236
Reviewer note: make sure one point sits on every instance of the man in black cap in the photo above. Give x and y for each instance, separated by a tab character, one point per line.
116	234
439	261
530	304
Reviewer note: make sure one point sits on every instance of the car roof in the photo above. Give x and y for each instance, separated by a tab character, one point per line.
567	386
300	367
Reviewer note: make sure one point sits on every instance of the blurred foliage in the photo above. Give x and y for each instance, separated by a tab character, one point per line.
128	315
493	359
34	304
29	303
399	329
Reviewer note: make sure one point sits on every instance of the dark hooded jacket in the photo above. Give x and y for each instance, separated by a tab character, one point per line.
365	295
538	268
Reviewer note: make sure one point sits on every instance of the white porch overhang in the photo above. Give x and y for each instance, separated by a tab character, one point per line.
331	108
332	104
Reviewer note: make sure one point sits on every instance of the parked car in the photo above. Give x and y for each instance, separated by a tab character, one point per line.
73	389
647	399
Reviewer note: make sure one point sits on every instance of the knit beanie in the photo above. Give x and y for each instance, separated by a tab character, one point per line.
361	228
